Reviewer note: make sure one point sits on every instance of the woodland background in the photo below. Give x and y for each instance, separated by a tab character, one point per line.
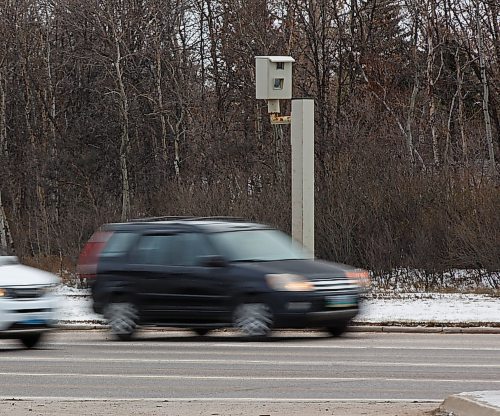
116	109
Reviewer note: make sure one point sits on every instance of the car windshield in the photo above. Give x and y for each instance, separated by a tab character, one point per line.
258	245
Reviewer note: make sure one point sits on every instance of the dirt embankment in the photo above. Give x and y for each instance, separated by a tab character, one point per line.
200	408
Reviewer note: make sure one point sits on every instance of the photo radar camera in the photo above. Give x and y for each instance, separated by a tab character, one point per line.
273	80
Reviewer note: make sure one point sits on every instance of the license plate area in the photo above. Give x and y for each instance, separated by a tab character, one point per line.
33	322
341	301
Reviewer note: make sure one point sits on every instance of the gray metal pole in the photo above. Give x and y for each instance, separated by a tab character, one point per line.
303	172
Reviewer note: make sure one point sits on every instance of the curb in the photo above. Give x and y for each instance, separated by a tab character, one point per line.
431	329
353	328
469	404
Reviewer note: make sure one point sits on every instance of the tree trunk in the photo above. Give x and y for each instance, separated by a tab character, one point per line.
409	121
259	128
3	117
461	122
163	122
431	55
484	81
29	115
178	131
448	130
125	138
53	172
278	137
5	235
177	157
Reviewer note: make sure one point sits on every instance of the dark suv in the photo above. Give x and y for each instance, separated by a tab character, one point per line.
207	273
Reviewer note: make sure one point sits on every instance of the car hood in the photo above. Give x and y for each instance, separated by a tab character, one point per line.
308	267
20	275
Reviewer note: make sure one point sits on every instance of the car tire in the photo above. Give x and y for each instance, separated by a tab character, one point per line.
31	340
201	331
337	330
253	320
122	318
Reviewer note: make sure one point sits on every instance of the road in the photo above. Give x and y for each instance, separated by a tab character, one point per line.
289	367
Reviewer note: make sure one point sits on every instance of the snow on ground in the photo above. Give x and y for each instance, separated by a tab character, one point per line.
454	280
491	398
433	307
77	310
450	308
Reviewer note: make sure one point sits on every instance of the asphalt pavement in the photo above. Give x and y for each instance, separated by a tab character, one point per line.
302	366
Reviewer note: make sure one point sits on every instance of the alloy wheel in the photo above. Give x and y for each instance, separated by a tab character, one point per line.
122	319
253	319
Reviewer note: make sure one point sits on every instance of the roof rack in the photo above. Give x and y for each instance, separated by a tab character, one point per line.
162	218
220	218
187	218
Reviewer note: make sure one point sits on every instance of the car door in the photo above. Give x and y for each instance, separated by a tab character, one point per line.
204	288
158	277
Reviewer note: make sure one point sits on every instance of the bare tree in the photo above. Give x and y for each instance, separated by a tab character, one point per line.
115	108
431	28
461	112
112	19
5	235
485	100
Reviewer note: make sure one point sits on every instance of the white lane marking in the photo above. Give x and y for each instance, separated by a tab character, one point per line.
244	378
270	345
214	399
243	362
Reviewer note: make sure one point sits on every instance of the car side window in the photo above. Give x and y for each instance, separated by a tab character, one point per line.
193	247
118	243
184	249
154	249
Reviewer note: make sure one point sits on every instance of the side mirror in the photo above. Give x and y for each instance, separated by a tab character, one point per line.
212	261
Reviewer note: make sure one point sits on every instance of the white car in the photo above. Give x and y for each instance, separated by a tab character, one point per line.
28	303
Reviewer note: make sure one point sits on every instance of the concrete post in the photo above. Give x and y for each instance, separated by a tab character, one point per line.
303	172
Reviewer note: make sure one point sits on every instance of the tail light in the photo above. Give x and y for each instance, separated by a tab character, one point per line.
89	257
